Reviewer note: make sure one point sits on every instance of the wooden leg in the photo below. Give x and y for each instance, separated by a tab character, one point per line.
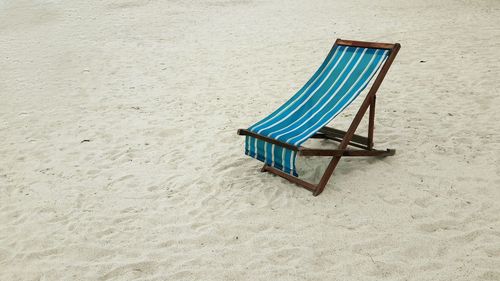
263	169
326	176
307	185
371	123
346	152
373	152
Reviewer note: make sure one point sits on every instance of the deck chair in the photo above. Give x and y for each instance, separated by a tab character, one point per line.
276	140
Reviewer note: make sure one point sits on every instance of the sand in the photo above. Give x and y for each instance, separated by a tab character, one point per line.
119	158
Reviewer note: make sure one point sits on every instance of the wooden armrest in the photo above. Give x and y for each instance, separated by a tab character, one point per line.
244	132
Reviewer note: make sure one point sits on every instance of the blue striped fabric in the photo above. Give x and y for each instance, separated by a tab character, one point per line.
345	72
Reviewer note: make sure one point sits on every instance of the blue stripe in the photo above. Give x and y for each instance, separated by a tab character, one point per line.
278	155
247	141
269	153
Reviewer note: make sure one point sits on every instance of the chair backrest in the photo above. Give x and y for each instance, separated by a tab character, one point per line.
343	75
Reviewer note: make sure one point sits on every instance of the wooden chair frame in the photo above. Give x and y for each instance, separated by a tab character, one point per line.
344	137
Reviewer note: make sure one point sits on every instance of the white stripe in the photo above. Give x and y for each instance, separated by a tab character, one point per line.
283	158
325	103
272	154
265	152
322	97
307	99
352	97
255	150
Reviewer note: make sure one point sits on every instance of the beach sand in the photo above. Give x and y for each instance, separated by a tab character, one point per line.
119	158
